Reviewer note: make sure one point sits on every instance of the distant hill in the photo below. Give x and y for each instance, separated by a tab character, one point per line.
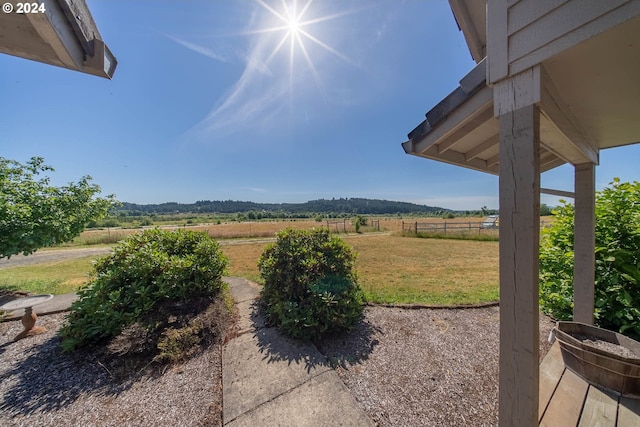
323	206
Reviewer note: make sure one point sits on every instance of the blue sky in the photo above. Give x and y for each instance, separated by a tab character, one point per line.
210	102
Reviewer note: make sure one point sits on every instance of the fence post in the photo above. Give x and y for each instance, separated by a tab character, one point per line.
416	228
445	227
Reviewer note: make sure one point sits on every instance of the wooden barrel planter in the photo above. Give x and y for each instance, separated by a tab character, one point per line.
603	358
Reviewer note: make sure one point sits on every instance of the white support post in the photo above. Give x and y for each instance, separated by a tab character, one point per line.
519	251
584	243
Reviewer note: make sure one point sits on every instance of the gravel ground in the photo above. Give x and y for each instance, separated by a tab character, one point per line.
41	387
423	367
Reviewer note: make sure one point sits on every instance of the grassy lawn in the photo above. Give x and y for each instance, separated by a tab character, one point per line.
48	278
392	269
397	269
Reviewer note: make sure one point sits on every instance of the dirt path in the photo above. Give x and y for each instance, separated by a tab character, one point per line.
52	255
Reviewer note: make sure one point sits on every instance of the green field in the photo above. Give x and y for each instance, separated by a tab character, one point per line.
51	278
391	269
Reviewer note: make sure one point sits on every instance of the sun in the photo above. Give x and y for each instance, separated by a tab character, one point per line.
294	22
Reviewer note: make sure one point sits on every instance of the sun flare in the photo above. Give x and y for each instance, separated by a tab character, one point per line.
289	48
294	23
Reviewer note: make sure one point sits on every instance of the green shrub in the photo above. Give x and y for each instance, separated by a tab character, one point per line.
617	281
144	271
359	221
310	285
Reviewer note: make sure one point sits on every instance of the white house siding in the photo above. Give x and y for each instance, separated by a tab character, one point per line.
527	32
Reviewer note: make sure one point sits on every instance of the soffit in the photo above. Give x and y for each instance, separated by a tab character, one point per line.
591	101
599	81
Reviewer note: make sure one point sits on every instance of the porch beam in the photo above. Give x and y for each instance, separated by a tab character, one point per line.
584	243
519	248
560	193
54	27
562	118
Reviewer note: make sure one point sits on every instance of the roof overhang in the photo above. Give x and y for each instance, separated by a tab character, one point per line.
589	101
64	35
463	131
471	17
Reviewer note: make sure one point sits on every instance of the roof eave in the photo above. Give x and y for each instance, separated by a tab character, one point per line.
462	130
64	35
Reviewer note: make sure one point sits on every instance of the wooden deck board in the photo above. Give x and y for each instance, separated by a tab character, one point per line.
566	400
566	403
600	409
551	370
628	412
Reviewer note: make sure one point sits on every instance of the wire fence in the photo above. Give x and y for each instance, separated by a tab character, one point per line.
477	227
348	226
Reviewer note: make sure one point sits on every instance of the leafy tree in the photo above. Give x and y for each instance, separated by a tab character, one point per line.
617	281
545	210
35	214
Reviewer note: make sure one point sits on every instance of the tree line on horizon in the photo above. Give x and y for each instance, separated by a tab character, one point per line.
355	206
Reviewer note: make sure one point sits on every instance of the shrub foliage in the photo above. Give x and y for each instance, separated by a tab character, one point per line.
145	271
617	282
310	285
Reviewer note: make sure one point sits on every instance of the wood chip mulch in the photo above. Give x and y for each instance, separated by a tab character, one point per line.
422	367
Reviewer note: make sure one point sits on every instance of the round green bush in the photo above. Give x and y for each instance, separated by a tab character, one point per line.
145	270
617	269
310	285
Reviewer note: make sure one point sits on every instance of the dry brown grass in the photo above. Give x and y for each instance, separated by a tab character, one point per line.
243	259
232	230
248	229
225	230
